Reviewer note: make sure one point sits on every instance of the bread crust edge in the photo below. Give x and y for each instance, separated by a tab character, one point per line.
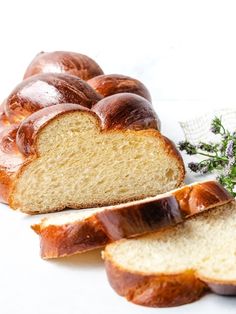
163	290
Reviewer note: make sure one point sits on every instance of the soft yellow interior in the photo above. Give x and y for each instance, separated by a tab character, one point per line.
205	244
79	166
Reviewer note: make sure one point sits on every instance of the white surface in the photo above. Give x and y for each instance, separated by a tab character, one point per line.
184	51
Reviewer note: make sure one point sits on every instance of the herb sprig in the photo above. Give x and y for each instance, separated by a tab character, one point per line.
219	157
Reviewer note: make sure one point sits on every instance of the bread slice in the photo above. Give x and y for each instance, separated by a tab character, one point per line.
85	230
176	266
72	162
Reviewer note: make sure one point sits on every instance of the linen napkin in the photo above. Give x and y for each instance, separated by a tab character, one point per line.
198	128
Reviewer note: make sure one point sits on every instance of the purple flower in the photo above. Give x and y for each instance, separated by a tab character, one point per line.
230	149
230	164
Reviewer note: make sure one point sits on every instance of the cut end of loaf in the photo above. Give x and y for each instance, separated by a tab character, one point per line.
79	166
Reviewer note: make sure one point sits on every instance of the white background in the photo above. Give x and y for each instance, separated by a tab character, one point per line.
184	51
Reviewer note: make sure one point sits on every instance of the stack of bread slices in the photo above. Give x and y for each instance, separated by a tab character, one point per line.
73	137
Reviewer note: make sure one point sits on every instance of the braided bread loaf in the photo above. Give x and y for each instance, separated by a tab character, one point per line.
65	142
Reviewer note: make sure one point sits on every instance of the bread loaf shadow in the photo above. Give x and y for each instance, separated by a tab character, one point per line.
86	260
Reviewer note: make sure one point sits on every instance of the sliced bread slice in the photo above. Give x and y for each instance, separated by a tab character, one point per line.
176	266
69	234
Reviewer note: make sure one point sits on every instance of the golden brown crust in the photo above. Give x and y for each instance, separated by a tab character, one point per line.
10	160
161	290
196	198
154	290
126	111
124	221
59	241
8	139
64	62
46	90
172	150
135	219
110	84
6	179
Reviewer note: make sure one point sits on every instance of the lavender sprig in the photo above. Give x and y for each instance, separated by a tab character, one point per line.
220	156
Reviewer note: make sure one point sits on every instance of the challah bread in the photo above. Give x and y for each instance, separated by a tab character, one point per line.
66	146
178	265
111	84
45	90
64	62
57	131
67	234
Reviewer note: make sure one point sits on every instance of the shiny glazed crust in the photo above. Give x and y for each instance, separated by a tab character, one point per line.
195	198
128	220
46	90
110	84
126	110
64	62
10	160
